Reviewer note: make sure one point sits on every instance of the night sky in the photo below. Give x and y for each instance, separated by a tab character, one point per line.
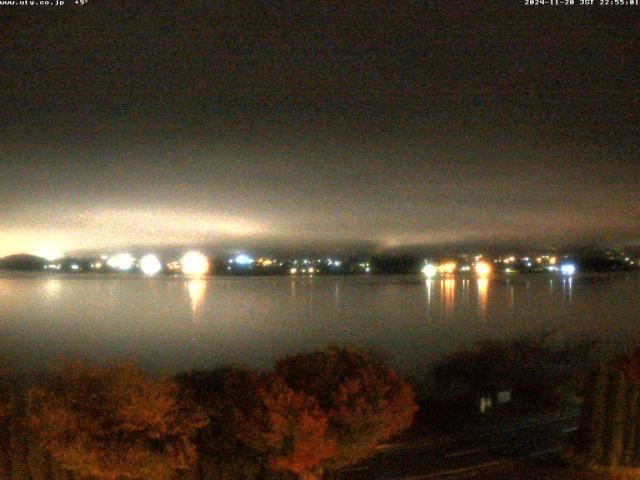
317	124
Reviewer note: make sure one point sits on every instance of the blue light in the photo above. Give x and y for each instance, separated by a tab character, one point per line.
243	259
568	269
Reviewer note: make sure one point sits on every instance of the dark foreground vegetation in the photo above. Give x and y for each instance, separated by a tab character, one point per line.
606	445
609	435
311	415
308	417
503	378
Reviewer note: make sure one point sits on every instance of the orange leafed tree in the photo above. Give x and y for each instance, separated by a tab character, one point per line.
290	430
5	393
364	401
114	422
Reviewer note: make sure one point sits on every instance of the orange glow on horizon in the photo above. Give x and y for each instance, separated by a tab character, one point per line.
194	263
483	268
448	267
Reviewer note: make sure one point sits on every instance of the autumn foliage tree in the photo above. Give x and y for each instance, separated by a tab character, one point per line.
6	394
6	403
290	430
326	410
229	397
113	422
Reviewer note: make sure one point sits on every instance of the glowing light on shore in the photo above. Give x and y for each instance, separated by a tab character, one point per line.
448	267
194	263
150	264
243	259
568	269
121	261
430	270
483	269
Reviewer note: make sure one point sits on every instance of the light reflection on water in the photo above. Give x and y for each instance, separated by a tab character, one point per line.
197	288
429	287
567	287
483	294
52	287
447	294
255	320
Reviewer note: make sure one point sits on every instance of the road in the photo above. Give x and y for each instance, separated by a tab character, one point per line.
461	455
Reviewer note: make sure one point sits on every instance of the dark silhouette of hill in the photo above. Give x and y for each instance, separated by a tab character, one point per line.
22	262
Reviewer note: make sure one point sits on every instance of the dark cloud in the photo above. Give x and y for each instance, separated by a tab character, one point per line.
293	124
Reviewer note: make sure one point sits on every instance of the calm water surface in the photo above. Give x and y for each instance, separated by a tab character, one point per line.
170	324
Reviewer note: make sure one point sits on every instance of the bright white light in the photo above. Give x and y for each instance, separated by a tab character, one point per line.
367	269
243	259
150	265
121	261
483	268
568	269
311	270
194	263
75	267
293	271
430	270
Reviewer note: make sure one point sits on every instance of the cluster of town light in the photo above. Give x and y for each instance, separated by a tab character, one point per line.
121	261
195	263
192	263
294	270
482	269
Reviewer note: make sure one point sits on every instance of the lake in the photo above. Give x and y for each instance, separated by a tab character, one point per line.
170	324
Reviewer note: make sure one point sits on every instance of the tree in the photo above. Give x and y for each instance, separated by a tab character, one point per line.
538	370
7	404
230	398
592	423
364	401
312	413
617	409
607	437
113	422
290	429
631	428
